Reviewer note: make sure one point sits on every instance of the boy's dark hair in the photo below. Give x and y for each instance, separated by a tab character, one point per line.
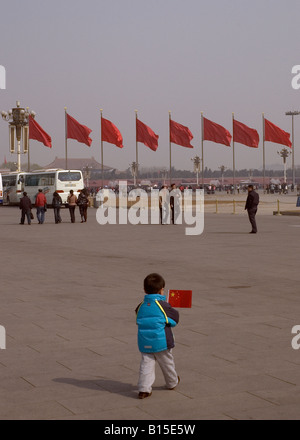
153	283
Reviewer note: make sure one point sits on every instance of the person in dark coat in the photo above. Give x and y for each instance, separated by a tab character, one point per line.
56	203
251	206
174	203
25	206
83	203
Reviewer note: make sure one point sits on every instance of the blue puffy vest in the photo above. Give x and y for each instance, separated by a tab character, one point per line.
152	321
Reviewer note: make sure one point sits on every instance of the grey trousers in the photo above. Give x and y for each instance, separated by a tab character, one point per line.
251	214
147	370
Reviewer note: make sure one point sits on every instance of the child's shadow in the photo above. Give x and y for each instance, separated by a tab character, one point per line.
113	386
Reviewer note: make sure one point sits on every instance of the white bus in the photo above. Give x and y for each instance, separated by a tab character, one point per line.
59	180
13	186
1	191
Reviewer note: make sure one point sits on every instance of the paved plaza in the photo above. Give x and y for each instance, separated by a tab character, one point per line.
68	295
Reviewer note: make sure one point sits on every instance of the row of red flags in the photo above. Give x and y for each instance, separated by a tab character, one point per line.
179	134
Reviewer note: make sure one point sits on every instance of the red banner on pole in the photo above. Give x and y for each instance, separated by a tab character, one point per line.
276	134
110	133
245	135
180	135
37	133
146	135
215	133
77	131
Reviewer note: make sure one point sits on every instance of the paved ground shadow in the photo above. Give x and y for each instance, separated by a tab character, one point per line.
113	386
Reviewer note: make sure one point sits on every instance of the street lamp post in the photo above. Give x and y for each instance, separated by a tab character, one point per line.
134	171
284	153
222	168
87	176
18	119
293	113
197	165
164	174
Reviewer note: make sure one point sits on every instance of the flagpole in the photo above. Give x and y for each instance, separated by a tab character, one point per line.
28	157
102	168
170	147
136	151
202	150
66	139
233	156
264	161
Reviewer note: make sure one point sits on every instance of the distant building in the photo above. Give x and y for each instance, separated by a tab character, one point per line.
79	164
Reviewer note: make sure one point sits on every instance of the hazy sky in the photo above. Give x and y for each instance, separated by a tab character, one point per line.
215	56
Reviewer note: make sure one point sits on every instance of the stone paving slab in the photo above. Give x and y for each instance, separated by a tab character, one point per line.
67	300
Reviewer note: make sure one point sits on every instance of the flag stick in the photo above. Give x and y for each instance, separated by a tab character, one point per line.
102	169
136	151
264	164
202	150
170	147
66	138
233	157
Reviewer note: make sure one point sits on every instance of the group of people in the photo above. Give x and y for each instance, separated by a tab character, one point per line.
169	202
81	201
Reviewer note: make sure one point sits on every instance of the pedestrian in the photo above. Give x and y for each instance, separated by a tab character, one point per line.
251	206
25	206
155	317
164	205
72	200
56	203
174	203
41	206
83	203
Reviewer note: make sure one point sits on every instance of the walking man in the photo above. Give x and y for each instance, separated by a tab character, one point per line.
25	206
251	206
41	206
174	203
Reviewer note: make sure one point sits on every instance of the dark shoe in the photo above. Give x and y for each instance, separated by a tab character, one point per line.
175	385
252	232
143	395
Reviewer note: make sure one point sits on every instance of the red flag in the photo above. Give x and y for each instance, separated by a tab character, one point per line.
145	135
245	135
276	134
110	133
180	135
180	298
78	131
38	134
215	133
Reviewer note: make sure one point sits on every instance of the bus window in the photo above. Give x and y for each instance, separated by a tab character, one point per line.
66	176
32	180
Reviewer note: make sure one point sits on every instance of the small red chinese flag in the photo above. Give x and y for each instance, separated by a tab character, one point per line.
38	134
245	135
180	135
78	131
146	135
110	133
215	133
276	134
180	298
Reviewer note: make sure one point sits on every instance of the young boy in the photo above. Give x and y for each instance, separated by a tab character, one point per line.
155	317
